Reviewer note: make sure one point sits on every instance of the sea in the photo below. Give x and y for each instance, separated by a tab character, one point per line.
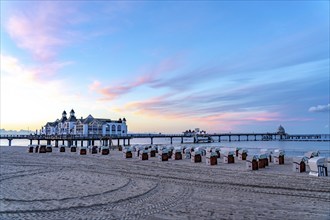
291	148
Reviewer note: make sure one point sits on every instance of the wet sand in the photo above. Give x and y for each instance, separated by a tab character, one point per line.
72	186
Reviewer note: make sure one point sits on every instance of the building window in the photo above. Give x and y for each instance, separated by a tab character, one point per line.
113	129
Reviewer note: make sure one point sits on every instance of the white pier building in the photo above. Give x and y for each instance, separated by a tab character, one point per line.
85	126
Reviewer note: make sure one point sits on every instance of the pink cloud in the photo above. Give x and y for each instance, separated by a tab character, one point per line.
40	29
148	76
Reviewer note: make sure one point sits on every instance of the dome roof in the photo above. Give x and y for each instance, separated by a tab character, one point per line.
281	130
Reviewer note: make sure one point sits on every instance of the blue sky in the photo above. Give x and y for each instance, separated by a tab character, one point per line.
167	66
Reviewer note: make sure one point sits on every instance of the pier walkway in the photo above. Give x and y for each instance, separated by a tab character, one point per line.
185	138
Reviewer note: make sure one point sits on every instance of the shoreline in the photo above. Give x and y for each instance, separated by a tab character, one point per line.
68	185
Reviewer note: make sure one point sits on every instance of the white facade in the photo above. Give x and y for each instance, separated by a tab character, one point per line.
85	127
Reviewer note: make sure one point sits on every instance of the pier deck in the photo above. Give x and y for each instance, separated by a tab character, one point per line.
193	138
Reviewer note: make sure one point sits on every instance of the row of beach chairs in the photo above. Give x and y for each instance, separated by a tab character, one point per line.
253	162
104	150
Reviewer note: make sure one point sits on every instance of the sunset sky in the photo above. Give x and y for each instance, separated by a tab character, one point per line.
167	66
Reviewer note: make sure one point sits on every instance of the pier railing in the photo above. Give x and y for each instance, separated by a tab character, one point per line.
196	137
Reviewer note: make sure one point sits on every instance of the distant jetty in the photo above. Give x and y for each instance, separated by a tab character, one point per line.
186	137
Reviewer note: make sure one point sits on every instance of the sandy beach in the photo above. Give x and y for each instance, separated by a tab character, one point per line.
71	186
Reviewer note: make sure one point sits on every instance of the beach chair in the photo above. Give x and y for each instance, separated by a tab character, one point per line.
62	148
228	157
120	148
163	154
262	160
152	151
278	157
299	164
317	166
83	150
105	150
177	154
73	148
211	157
143	154
42	149
252	162
127	153
31	148
196	156
93	149
242	153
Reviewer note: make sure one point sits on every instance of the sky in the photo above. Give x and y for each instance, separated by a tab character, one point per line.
167	66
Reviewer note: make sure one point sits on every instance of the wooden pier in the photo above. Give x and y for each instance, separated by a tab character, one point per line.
190	138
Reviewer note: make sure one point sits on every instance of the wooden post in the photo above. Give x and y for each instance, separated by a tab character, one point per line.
9	140
171	140
152	140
